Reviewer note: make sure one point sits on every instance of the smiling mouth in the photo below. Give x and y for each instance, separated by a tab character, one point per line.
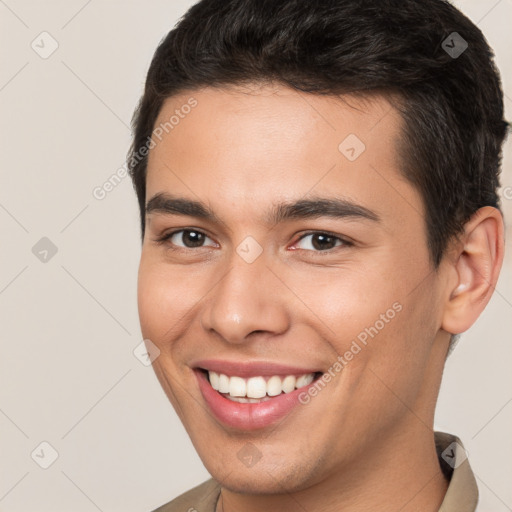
257	389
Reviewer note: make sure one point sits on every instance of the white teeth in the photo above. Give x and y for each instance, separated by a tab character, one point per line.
237	386
274	387
304	380
214	380
289	383
247	400
223	383
257	389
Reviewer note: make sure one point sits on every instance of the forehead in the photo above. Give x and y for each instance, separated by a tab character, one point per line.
277	116
260	143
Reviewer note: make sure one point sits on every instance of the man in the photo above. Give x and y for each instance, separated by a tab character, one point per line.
318	192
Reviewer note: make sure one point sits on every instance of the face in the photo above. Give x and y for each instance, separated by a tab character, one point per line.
286	281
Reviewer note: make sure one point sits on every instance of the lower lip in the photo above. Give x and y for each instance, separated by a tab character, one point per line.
248	416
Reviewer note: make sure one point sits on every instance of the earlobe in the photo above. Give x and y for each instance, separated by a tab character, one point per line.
477	267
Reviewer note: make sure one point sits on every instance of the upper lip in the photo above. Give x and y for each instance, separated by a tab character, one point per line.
248	369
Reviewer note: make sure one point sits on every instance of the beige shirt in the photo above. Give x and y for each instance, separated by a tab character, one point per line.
461	496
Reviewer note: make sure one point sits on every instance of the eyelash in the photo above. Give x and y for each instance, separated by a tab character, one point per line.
344	242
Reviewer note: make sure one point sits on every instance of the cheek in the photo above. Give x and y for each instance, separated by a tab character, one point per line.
371	318
150	299
347	303
398	348
164	299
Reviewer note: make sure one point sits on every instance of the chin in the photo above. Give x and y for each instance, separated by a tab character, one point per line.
262	478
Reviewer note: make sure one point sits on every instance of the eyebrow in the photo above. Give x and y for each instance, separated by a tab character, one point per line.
166	203
300	209
320	207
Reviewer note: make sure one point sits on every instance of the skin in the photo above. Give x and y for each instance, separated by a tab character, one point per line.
365	442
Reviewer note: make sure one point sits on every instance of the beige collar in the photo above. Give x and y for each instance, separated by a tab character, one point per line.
462	493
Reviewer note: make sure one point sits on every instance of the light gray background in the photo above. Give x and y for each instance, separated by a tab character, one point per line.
69	326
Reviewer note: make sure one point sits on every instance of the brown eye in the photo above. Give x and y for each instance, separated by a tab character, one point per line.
320	242
189	239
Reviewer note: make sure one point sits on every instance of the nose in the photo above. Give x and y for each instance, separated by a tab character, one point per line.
249	299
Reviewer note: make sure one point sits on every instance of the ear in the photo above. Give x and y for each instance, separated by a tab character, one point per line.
476	267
